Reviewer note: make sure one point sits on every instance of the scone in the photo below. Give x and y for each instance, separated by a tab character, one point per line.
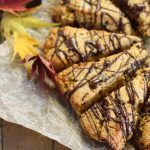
113	120
93	14
142	136
85	83
67	46
139	12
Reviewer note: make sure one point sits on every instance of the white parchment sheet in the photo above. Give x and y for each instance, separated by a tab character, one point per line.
24	103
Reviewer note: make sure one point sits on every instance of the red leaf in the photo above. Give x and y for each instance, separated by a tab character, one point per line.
13	5
33	71
41	73
41	67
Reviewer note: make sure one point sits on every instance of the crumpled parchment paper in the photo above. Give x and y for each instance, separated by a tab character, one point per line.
23	102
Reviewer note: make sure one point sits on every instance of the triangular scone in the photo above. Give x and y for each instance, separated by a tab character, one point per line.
139	12
93	14
67	46
114	119
85	83
142	136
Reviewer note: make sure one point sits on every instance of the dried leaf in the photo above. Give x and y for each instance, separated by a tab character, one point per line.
15	26
13	5
24	45
42	68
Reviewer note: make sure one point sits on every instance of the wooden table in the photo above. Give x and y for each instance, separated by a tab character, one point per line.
15	137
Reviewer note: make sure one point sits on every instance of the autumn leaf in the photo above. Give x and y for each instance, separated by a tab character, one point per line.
24	45
11	23
15	27
42	68
13	5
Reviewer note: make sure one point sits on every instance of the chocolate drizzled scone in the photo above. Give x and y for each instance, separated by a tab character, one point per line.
142	137
139	12
114	119
85	83
67	46
92	14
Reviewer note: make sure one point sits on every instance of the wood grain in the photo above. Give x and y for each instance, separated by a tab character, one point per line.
16	137
1	139
58	146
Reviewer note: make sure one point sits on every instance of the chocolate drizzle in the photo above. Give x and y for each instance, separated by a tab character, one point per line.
137	10
131	93
92	45
65	2
69	50
95	15
94	84
133	10
125	111
72	45
99	78
113	38
105	23
146	108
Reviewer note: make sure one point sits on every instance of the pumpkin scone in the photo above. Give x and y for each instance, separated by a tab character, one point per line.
67	46
83	84
113	120
92	14
139	12
142	137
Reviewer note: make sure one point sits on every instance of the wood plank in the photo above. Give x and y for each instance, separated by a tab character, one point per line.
58	146
1	138
16	137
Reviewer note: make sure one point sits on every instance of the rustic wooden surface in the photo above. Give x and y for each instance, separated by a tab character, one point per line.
15	137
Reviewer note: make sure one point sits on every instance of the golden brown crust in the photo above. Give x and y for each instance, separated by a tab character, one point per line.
76	12
63	15
67	46
142	136
139	12
93	15
144	141
97	131
114	119
85	83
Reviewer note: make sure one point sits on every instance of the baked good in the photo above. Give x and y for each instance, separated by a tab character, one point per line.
67	46
113	119
142	136
93	14
85	83
139	13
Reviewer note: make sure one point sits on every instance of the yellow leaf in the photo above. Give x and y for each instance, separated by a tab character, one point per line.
11	23
34	23
16	27
24	46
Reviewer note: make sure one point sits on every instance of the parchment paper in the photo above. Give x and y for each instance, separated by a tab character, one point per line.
23	102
